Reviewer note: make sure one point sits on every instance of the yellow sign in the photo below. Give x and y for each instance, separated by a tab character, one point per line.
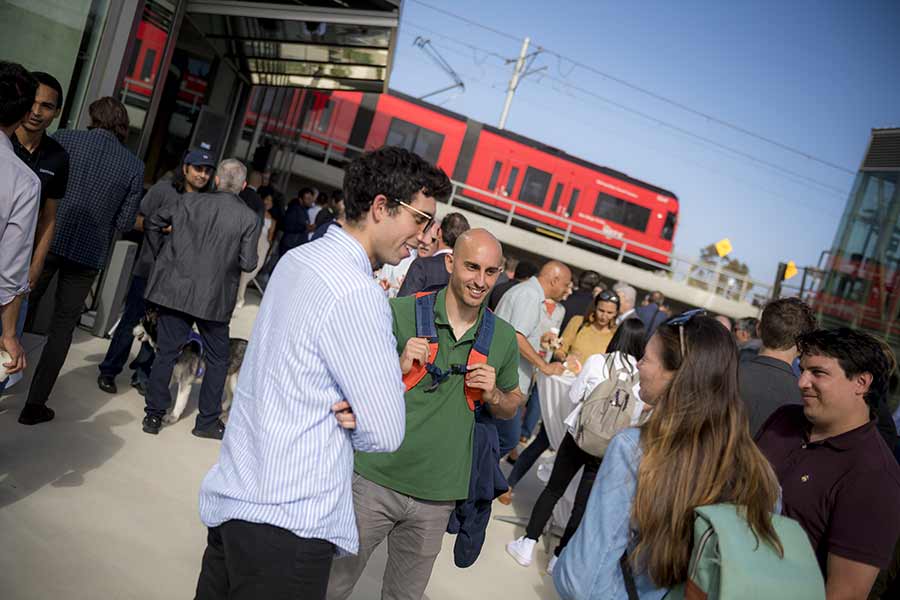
790	270
723	247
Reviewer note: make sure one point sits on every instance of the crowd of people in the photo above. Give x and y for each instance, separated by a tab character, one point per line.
388	411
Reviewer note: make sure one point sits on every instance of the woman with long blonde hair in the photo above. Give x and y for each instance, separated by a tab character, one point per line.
694	450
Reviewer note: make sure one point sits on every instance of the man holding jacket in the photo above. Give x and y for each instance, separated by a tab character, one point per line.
201	245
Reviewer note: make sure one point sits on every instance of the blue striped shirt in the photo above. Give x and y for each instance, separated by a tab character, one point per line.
323	334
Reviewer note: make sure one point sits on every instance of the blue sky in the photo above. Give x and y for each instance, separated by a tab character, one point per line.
815	76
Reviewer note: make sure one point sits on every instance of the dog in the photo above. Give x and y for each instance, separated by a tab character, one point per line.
190	366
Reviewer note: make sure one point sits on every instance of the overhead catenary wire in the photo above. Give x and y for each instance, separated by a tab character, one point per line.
650	93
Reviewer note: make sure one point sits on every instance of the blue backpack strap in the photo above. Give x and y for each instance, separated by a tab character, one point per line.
425	317
485	334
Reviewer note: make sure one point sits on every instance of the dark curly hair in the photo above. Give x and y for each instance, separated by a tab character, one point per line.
17	91
783	321
856	352
396	173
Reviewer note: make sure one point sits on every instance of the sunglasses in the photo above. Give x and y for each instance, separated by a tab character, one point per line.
608	297
429	219
681	320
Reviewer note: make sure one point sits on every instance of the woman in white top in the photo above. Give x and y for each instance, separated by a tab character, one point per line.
625	350
266	235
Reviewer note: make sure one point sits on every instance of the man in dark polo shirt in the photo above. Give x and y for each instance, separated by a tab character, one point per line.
838	477
47	159
767	380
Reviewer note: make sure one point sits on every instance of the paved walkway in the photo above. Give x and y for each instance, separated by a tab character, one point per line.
91	507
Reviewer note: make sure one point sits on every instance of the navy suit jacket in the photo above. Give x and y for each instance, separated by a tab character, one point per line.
425	275
651	316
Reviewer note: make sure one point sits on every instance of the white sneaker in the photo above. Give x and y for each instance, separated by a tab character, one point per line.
521	550
551	564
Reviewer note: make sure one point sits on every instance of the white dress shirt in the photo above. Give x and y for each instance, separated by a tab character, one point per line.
20	194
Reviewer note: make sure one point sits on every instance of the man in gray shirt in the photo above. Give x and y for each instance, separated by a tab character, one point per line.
767	380
194	176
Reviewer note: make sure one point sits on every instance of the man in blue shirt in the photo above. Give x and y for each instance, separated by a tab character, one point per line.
279	502
106	181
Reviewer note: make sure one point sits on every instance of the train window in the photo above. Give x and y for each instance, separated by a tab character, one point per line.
668	230
325	117
621	212
424	142
495	176
511	182
573	202
535	186
555	204
132	64
147	68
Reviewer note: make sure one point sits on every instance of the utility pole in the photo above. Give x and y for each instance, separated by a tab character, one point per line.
521	71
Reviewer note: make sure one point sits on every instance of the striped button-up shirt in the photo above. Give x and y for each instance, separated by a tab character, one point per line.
323	334
20	191
106	182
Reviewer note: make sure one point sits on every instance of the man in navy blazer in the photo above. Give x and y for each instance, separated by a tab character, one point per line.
651	313
430	273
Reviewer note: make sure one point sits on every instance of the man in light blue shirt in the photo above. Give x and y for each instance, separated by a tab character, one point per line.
279	503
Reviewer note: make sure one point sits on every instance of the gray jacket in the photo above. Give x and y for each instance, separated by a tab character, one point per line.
198	265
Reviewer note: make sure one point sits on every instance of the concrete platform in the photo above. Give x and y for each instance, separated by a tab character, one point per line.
91	507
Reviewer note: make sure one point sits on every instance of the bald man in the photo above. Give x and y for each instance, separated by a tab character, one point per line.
523	307
407	496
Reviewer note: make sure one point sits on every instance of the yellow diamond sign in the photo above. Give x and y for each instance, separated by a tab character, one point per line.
790	270
723	247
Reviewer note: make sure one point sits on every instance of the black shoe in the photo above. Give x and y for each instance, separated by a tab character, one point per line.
32	414
140	387
216	432
152	424
107	384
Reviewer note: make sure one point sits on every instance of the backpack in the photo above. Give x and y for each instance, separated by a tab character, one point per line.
425	328
607	409
729	562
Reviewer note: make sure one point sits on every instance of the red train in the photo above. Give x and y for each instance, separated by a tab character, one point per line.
548	186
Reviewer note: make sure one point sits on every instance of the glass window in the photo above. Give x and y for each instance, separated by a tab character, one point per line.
668	230
147	68
495	176
556	195
621	211
535	186
573	202
60	39
325	117
424	142
511	182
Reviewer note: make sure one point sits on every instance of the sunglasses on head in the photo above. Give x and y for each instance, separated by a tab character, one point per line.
608	297
683	319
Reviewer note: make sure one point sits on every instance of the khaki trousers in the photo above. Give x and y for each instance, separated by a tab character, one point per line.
414	530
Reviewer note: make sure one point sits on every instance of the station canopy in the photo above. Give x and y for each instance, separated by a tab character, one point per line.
320	44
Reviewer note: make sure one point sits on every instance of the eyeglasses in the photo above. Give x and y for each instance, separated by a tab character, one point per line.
429	218
683	319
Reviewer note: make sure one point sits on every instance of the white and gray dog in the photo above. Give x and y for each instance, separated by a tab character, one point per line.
190	367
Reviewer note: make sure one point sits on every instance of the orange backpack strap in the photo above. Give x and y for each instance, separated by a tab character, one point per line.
479	353
424	328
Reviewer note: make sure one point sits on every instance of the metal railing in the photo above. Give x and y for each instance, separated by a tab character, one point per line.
710	277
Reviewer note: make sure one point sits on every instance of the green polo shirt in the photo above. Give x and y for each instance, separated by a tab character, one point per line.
435	460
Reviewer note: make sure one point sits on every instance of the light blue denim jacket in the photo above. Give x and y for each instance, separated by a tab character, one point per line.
588	568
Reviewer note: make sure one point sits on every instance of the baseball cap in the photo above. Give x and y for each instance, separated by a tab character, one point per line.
199	158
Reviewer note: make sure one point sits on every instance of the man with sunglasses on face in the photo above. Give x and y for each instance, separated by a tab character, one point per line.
195	175
279	502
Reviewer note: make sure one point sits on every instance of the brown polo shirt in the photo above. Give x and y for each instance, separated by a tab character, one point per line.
844	490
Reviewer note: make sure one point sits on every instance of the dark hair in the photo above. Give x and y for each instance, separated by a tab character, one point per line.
179	180
783	321
396	173
453	226
304	191
337	196
17	90
656	298
747	324
856	352
109	114
588	280
524	270
630	338
51	82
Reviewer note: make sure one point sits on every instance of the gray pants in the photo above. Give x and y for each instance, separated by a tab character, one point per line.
414	530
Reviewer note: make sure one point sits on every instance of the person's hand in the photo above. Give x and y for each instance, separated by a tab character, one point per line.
416	350
344	415
167	229
550	340
483	377
10	344
33	274
550	369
